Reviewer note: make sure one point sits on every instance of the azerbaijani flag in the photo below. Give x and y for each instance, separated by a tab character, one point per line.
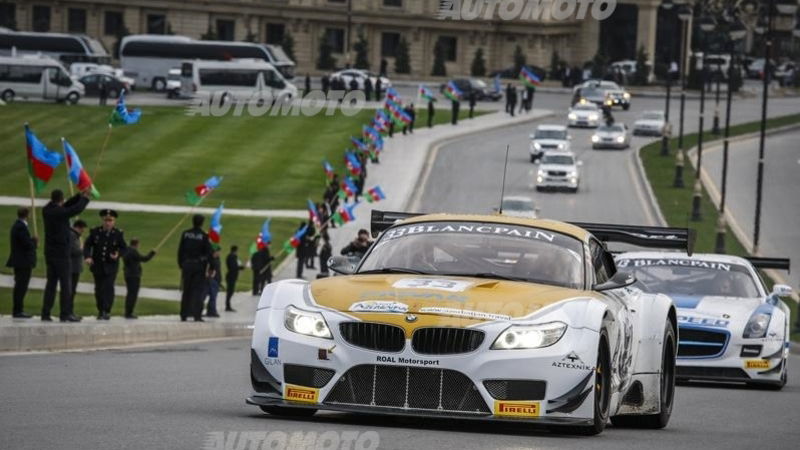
348	188
328	169
41	161
426	94
397	113
215	230
122	115
295	240
353	164
452	91
197	195
263	239
372	134
313	213
528	78
361	145
375	195
392	94
345	214
77	173
381	121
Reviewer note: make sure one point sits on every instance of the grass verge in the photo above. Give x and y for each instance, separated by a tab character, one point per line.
85	305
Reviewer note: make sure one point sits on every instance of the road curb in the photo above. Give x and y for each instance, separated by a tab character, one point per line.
648	189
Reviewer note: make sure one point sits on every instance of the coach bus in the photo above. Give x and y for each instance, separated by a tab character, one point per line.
148	58
67	48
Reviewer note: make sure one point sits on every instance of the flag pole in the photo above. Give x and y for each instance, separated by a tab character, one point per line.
175	228
102	151
69	181
33	208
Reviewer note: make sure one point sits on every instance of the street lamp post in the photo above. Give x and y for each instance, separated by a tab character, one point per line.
667	5
684	14
707	25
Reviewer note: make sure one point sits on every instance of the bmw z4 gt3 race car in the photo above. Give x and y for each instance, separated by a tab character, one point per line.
474	317
730	328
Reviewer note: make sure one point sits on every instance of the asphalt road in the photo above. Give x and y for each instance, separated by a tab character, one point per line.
173	397
780	213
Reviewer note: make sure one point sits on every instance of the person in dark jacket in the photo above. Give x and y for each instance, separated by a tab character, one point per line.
368	88
194	253
22	259
471	104
262	269
413	114
214	280
302	251
133	275
56	252
359	246
103	249
308	84
233	266
431	112
76	255
456	107
378	89
326	84
325	253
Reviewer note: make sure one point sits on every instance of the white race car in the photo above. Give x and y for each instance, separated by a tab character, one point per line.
730	328
468	316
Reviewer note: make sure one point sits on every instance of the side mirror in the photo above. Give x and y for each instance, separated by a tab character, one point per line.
619	280
344	265
579	163
532	136
781	290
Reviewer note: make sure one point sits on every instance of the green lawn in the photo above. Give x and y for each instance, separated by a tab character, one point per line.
85	305
162	271
267	162
676	203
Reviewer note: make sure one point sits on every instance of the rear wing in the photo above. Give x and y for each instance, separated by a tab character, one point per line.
642	236
769	263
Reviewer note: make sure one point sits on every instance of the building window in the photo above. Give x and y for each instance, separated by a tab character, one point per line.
76	20
389	43
335	37
156	24
450	45
113	23
226	29
393	3
336	1
41	18
275	33
8	15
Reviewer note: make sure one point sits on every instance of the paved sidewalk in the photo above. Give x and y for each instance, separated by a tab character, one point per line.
401	171
37	284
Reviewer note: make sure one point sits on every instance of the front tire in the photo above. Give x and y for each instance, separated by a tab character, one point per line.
288	412
602	392
667	386
8	96
73	98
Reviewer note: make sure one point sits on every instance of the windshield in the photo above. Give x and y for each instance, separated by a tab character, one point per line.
278	54
652	116
591	92
696	278
566	160
479	249
550	134
610	128
517	205
586	107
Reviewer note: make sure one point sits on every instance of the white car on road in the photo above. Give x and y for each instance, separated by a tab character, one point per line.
584	115
546	138
614	135
558	169
519	206
730	327
652	123
360	76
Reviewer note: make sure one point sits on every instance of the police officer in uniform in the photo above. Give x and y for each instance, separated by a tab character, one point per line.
103	250
194	254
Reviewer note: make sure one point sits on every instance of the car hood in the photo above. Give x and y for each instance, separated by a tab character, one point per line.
435	300
608	134
715	311
584	112
550	141
564	167
649	123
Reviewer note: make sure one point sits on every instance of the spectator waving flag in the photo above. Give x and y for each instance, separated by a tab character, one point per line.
397	113
41	161
372	134
345	214
353	163
215	230
375	195
452	91
359	144
122	115
328	170
295	240
392	94
382	121
528	78
78	175
194	197
263	239
348	189
426	94
313	213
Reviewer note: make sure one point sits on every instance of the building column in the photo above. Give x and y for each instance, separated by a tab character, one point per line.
647	24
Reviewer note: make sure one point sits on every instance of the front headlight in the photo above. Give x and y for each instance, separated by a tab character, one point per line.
593	117
537	146
561	146
572	116
626	95
595	138
757	326
620	139
307	323
518	337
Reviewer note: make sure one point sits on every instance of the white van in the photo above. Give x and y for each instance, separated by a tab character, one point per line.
235	80
37	77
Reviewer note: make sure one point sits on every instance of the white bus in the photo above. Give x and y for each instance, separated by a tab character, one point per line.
37	77
67	48
148	57
234	80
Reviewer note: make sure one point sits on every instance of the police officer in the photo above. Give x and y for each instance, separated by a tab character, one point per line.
103	250
194	254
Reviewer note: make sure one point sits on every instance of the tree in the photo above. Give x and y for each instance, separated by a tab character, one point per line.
478	64
599	63
362	52
402	61
555	65
121	33
288	45
209	35
519	60
325	60
439	68
642	68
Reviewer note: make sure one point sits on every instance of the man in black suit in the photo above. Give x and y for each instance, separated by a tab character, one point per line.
103	250
232	274
194	254
76	255
133	275
22	259
57	252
